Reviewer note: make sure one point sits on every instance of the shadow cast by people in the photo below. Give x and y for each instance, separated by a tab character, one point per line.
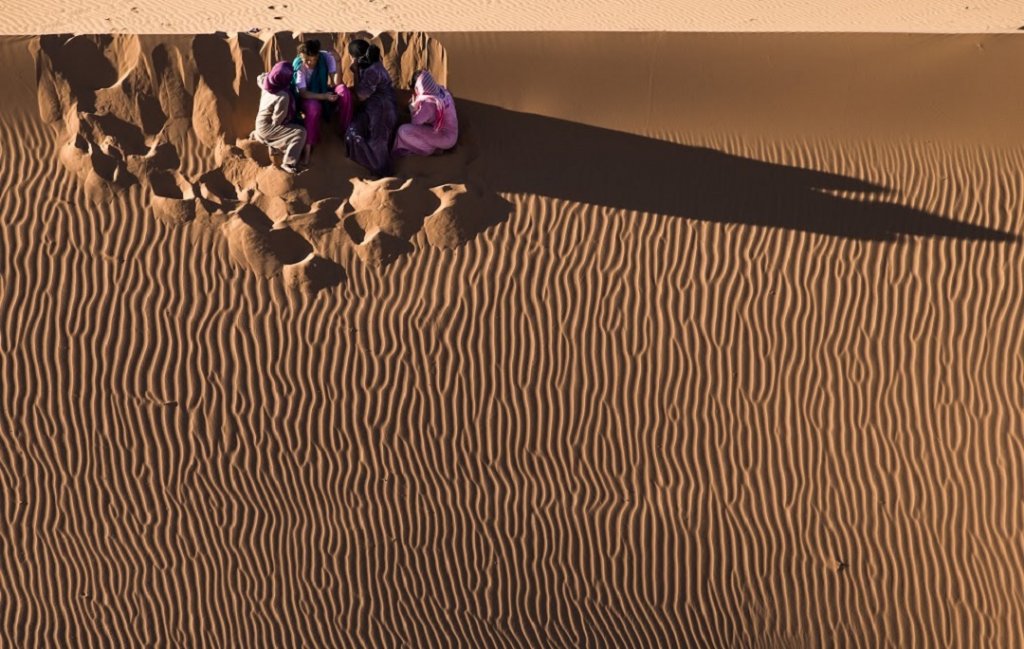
527	153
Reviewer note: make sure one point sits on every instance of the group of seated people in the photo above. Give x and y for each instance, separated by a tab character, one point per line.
298	97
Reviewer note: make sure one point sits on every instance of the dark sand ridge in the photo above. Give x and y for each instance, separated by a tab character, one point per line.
615	417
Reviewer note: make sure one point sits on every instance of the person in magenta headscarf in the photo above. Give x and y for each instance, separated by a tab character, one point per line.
321	96
435	126
276	113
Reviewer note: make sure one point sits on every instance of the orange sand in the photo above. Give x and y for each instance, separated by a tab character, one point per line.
197	16
719	344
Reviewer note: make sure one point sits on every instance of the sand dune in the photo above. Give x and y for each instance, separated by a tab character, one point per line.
268	16
727	353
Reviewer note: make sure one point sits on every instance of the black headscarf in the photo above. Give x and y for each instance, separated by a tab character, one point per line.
364	53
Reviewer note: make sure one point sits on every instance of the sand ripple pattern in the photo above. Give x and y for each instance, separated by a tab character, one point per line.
591	426
192	16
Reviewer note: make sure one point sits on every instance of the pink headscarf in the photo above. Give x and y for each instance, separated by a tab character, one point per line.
428	91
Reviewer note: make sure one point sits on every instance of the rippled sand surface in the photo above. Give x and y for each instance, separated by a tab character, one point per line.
718	345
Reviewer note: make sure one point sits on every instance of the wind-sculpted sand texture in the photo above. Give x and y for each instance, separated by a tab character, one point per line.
190	16
723	347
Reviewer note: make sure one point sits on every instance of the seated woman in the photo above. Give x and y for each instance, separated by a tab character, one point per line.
435	126
274	125
316	81
369	137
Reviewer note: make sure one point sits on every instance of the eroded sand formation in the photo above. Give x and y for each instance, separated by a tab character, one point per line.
172	118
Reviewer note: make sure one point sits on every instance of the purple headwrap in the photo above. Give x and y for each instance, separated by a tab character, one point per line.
279	77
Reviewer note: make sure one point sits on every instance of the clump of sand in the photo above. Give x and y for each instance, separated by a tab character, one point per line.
463	213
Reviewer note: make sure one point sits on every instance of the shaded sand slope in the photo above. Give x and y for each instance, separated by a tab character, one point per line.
728	364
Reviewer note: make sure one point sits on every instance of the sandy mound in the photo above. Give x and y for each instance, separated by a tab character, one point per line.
462	214
257	246
172	197
391	205
313	274
172	117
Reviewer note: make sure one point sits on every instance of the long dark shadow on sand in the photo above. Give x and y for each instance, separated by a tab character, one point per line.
528	153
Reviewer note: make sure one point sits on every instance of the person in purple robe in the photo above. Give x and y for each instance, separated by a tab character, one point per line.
369	136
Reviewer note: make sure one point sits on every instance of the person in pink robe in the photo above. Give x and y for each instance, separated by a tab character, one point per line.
435	126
